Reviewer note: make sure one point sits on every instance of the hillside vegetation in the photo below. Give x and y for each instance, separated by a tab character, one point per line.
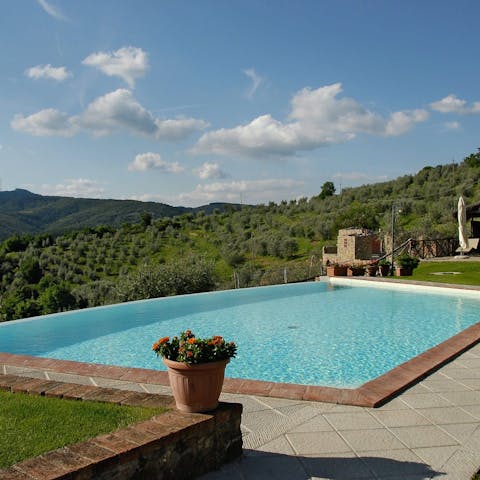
24	212
196	252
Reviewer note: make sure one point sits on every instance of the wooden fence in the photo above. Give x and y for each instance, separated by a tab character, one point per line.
444	247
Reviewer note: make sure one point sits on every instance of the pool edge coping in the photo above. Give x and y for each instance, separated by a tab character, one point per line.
373	393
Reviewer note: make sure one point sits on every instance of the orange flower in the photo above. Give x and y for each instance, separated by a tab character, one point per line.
163	340
192	340
189	354
155	346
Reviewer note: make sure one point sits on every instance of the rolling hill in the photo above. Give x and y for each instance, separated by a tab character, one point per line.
24	212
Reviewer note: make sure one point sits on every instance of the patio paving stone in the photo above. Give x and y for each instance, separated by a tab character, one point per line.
400	418
316	424
426	400
473	383
270	467
360	420
461	464
279	445
396	462
336	466
446	385
463	433
423	436
368	440
436	457
463	398
444	415
311	443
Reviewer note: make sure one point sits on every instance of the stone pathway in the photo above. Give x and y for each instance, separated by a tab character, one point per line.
430	431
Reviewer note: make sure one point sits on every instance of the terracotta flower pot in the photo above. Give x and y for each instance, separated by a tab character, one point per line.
384	270
336	271
403	271
355	271
371	270
196	388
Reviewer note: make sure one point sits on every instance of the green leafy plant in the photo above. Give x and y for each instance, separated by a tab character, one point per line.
192	350
357	266
407	261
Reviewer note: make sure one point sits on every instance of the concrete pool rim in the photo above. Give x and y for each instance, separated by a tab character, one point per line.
371	394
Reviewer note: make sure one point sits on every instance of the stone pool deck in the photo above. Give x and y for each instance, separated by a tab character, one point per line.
431	430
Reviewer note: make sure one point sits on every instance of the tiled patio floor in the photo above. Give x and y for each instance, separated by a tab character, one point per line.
432	430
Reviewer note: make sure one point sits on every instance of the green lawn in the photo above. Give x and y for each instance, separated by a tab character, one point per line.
31	425
469	272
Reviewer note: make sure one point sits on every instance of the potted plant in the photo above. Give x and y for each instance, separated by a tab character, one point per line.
384	267
356	270
372	268
196	368
336	270
405	264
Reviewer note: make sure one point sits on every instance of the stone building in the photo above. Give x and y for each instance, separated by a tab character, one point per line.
354	245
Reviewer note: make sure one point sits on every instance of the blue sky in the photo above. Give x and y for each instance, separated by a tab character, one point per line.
191	102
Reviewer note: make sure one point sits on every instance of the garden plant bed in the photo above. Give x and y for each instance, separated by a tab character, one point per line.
166	446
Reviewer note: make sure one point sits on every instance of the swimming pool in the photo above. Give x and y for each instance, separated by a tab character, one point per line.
315	333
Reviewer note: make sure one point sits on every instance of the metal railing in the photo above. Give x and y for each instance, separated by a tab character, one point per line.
292	273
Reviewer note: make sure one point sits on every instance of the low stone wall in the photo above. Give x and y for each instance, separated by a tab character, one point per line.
173	445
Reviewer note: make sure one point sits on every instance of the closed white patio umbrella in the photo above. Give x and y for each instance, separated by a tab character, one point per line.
462	225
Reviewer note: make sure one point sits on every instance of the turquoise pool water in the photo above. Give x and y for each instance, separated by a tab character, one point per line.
312	333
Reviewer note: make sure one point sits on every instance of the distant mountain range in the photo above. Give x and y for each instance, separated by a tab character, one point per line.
24	212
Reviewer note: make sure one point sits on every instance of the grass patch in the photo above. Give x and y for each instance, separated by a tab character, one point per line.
469	272
31	425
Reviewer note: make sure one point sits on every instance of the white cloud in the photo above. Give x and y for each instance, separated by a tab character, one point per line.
248	191
452	104
449	104
152	197
210	170
51	10
47	71
256	81
114	112
149	161
475	108
75	187
264	135
251	191
317	118
46	123
452	125
401	122
128	63
179	128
